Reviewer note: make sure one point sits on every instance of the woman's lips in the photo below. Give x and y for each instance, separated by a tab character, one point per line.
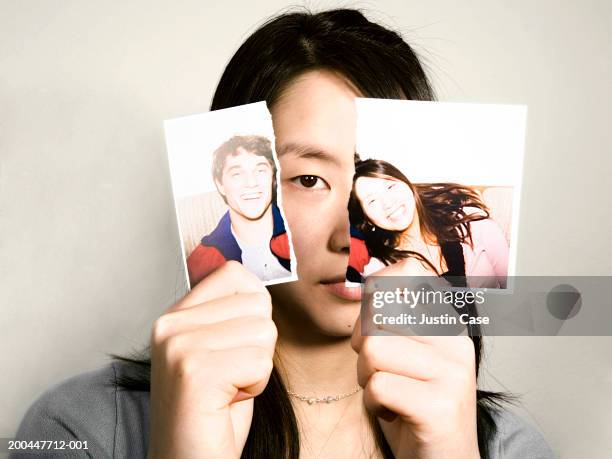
340	290
399	210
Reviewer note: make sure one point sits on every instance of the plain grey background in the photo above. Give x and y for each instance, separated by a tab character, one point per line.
89	250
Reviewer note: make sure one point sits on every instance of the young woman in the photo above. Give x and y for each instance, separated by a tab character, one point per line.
238	370
426	229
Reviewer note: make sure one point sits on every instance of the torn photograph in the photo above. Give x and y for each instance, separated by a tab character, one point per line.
224	175
436	190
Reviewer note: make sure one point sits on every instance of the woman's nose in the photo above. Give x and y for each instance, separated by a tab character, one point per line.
340	239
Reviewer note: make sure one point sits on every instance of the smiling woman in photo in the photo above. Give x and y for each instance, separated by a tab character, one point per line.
236	369
440	229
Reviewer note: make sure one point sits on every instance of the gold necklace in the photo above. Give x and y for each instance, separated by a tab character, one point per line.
326	399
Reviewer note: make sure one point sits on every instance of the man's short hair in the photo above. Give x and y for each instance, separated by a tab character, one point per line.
254	144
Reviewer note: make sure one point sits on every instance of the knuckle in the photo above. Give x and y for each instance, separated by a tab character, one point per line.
377	385
466	348
461	376
369	348
174	349
262	362
264	330
263	302
161	329
232	266
258	360
230	269
273	332
188	364
236	269
238	273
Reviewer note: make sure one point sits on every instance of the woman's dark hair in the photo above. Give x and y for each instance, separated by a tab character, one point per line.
441	208
380	64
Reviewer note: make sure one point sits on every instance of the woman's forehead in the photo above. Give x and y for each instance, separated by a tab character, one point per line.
377	181
366	186
317	109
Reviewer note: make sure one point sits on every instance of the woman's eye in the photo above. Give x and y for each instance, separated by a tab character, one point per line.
310	181
390	186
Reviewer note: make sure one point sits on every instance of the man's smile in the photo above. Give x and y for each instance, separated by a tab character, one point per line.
251	195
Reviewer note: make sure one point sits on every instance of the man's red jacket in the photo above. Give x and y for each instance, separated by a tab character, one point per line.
220	246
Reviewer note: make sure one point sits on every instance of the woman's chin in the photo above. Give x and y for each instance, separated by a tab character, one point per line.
338	321
401	224
317	310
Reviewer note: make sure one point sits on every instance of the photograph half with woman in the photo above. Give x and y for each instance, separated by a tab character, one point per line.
436	190
432	229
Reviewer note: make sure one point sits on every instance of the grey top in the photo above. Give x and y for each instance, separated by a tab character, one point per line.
115	422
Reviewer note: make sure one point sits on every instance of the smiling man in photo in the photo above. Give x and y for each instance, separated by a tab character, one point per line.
252	231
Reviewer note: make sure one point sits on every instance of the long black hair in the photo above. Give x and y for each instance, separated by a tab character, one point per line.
380	64
442	209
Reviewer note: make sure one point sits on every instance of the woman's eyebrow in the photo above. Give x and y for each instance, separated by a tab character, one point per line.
369	195
306	151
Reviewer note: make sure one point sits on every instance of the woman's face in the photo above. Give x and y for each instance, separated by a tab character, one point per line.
387	202
314	126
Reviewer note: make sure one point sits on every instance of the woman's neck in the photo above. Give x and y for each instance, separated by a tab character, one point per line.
415	240
412	238
316	368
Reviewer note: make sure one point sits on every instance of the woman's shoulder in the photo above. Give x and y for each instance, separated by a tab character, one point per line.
114	422
91	407
486	225
516	437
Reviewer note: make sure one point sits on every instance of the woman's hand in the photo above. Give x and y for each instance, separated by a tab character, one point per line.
211	354
423	392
